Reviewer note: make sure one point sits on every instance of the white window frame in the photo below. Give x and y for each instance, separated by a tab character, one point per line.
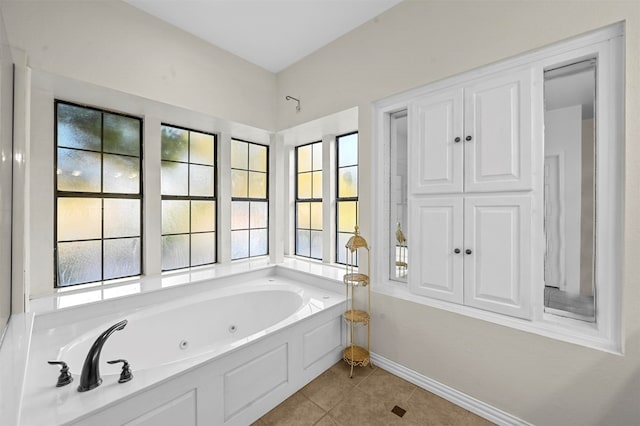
607	45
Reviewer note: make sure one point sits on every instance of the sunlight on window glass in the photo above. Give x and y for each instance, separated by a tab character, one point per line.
202	148
174	178
175	252
304	185
79	127
348	150
239	183
201	180
121	135
78	171
348	182
203	248
121	258
347	216
257	158
316	216
259	214
203	216
175	216
239	154
79	218
121	174
79	262
121	218
239	215
257	185
304	158
174	144
304	215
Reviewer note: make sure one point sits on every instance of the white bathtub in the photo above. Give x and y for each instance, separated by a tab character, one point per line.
224	353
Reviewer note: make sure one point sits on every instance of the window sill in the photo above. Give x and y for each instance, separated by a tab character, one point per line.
548	325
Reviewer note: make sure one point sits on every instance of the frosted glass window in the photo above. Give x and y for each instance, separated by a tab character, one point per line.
79	262
121	258
121	174
309	200
188	198
78	171
121	135
98	195
79	219
121	218
79	127
202	148
347	191
249	205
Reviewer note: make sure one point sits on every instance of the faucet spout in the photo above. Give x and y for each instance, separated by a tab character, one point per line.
90	376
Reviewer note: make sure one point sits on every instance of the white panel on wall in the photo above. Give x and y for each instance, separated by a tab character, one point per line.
438	269
320	341
251	381
497	259
179	411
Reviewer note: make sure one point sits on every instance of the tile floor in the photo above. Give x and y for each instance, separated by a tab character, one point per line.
367	399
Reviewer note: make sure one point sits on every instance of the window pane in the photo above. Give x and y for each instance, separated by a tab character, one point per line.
257	185
78	170
175	252
259	242
239	154
174	144
303	215
348	150
121	174
201	181
239	183
79	127
317	184
257	158
348	182
317	156
259	214
303	242
343	238
121	218
79	262
121	134
239	244
175	216
347	216
79	218
316	244
316	216
203	216
304	185
203	248
304	158
239	215
175	178
121	258
202	148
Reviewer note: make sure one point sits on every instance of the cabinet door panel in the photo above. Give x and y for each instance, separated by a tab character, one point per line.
436	270
498	120
498	233
435	158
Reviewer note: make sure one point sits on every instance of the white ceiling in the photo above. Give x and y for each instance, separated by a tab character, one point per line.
270	33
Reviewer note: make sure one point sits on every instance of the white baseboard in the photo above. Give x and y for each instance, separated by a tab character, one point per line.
461	399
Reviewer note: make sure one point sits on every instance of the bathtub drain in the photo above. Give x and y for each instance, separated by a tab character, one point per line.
232	328
183	344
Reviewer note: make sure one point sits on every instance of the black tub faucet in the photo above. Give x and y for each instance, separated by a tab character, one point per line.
90	376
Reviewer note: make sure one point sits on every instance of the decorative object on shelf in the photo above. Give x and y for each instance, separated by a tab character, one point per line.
401	256
355	355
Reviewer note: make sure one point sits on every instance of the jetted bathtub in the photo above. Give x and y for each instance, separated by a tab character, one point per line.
224	353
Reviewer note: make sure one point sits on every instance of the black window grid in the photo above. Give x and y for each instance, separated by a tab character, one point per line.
300	200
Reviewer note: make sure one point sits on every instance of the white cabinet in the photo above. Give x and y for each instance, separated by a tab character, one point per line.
474	138
473	250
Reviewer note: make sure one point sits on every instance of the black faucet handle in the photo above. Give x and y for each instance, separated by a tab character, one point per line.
126	374
65	377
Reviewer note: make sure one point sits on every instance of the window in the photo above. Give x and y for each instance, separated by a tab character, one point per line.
309	200
98	195
188	198
347	191
249	199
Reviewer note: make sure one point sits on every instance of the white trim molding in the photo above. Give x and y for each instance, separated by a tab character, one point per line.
455	396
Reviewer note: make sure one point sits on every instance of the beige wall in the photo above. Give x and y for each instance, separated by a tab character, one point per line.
540	380
114	45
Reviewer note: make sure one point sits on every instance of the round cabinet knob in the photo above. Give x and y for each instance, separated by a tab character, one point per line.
468	251
468	138
457	139
457	251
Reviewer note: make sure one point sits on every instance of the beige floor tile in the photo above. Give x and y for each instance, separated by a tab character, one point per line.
386	388
359	373
328	389
326	421
360	408
425	408
298	410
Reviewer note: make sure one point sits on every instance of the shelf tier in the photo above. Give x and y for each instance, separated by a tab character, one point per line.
356	279
356	356
356	315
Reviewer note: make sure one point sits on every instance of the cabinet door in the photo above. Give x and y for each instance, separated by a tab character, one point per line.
497	231
498	121
435	268
435	158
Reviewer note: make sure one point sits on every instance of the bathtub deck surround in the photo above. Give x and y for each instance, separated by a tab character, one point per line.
184	371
